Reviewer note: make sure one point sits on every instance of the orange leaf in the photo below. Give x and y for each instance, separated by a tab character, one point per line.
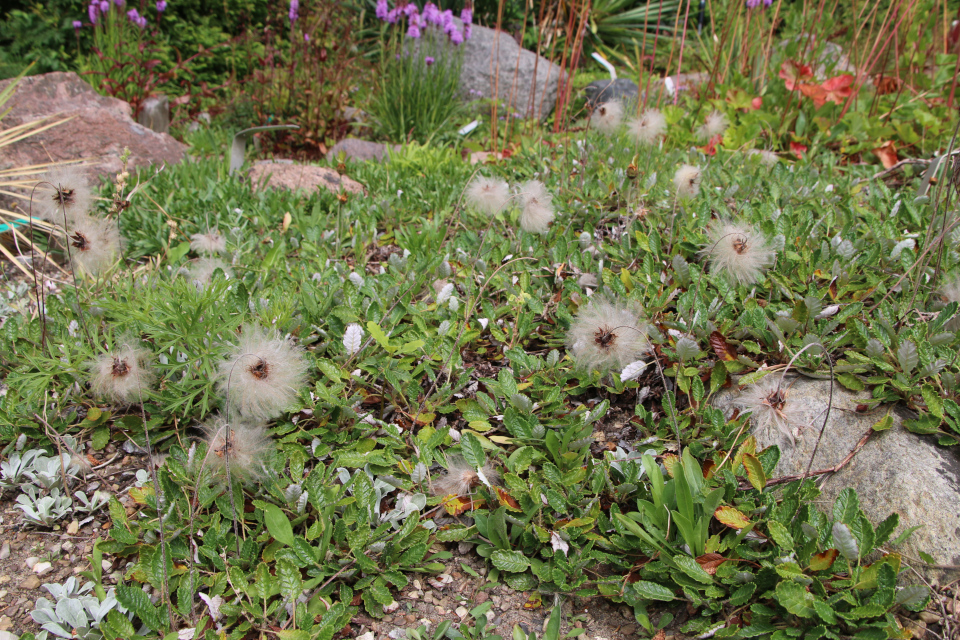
838	88
798	149
535	601
823	560
794	72
455	505
507	500
670	462
887	152
710	561
720	347
731	517
815	92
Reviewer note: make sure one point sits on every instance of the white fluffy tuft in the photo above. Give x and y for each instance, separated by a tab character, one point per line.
94	243
769	407
210	242
249	450
687	181
607	117
202	269
461	479
606	335
121	375
488	195
715	125
537	209
648	128
262	373
64	184
738	251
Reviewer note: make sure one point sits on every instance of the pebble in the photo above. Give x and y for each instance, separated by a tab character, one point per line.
67	546
3	594
5	551
31	561
369	635
6	623
106	565
410	618
6	635
628	630
481	597
30	582
462	612
73	528
42	568
929	617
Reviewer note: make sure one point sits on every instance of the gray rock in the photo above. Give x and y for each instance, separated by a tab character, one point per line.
286	174
621	89
6	635
896	471
155	114
100	129
361	150
494	65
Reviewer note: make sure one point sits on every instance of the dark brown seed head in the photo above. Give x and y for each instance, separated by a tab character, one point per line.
260	370
120	368
80	241
604	338
740	244
777	399
63	197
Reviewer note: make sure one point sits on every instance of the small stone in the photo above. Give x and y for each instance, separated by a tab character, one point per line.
73	528
31	561
106	565
481	597
30	582
6	623
417	585
6	635
5	551
369	635
410	618
628	630
462	612
929	617
67	546
3	594
42	568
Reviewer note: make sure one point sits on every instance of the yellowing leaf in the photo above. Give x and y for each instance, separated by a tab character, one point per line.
755	473
731	517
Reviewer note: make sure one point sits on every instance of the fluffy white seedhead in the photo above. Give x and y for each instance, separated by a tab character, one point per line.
607	117
94	243
461	479
537	207
121	375
248	447
648	128
767	158
202	269
606	335
687	181
210	242
769	407
488	195
715	125
65	190
262	373
738	251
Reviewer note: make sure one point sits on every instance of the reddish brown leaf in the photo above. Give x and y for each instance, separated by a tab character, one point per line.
833	289
507	500
823	560
794	72
708	467
720	347
798	149
886	84
455	505
887	152
710	561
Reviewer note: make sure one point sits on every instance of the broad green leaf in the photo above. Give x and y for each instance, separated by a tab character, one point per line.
795	598
278	524
652	591
780	535
845	542
513	561
472	450
755	474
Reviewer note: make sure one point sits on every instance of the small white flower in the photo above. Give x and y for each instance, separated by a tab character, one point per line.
352	338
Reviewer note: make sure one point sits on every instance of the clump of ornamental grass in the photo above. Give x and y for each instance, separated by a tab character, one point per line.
738	251
536	212
201	270
262	373
769	407
211	242
686	181
63	192
461	478
248	447
607	117
648	128
121	375
715	125
488	195
607	335
94	243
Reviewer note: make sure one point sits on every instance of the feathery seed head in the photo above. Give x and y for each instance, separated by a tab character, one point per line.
120	375
94	243
715	125
249	449
606	117
687	181
210	242
64	190
648	128
770	407
262	373
201	270
461	479
767	158
488	195
738	251
606	335
537	209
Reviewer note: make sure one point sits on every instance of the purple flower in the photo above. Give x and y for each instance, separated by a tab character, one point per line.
413	31
431	14
93	11
306	37
382	9
134	16
77	25
410	10
767	3
466	15
467	31
119	3
294	11
753	4
392	15
161	6
456	37
429	60
104	6
446	21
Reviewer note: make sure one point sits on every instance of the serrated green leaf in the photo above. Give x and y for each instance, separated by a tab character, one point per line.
845	542
513	561
755	473
780	535
692	568
795	598
652	591
380	591
933	400
472	450
100	438
278	524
